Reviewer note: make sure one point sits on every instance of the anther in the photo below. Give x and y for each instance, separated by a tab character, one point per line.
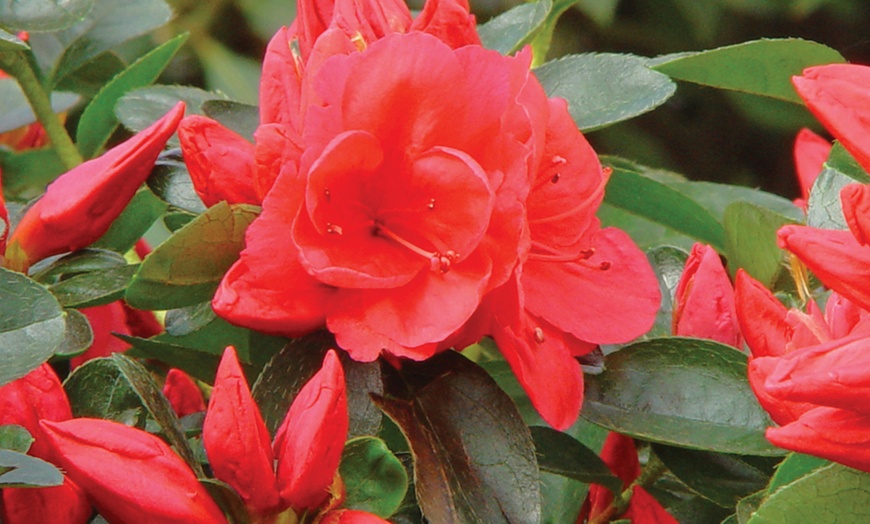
555	178
539	335
587	253
604	266
557	160
431	203
327	195
333	229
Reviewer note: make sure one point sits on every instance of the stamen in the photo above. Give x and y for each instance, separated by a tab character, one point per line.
557	160
359	41
604	266
437	261
555	178
539	335
431	204
334	229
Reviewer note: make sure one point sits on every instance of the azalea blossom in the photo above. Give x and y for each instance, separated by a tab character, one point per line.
80	205
809	371
410	221
810	153
39	396
620	455
182	393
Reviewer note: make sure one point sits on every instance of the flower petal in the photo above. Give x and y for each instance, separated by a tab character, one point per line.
220	161
810	153
34	397
834	434
128	473
105	320
856	208
762	317
236	439
281	79
450	21
311	438
64	504
182	393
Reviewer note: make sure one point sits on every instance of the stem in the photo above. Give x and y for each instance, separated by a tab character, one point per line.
18	66
654	469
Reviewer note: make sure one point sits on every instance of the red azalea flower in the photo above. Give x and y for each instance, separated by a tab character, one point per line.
839	96
182	393
620	455
810	153
704	300
808	371
78	207
25	402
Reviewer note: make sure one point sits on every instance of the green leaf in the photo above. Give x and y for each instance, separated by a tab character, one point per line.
511	30
26	173
171	182
747	506
16	110
98	389
32	325
832	493
795	466
92	77
824	209
15	438
78	262
685	392
78	335
843	161
236	116
761	67
227	499
375	479
605	88
187	268
654	201
10	42
139	215
94	288
474	459
561	454
720	478
196	362
42	15
750	241
143	384
98	121
18	470
105	26
141	107
668	263
226	71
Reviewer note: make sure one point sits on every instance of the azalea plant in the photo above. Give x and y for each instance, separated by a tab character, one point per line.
396	283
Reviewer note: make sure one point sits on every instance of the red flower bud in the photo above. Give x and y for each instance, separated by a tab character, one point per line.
78	207
182	393
311	438
810	153
761	317
64	504
130	474
34	397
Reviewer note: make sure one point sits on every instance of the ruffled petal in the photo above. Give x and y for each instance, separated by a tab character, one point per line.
834	434
64	504
810	153
762	317
856	208
34	397
450	21
182	393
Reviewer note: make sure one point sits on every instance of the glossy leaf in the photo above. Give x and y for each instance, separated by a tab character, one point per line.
656	202
196	362
18	470
187	268
26	173
42	15
32	325
227	499
77	262
171	182
141	107
94	288
241	118
605	88
843	161
15	438
10	42
668	263
832	493
78	335
723	479
795	466
132	224
474	458
680	391
98	119
98	389
751	241
761	67
374	478
824	209
561	454
105	26
511	30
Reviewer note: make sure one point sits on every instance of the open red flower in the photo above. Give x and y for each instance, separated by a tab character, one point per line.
78	207
33	398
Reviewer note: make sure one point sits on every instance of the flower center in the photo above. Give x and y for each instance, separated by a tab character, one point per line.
437	260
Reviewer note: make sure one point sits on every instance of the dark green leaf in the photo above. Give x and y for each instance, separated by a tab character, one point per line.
92	77
98	119
747	506
685	392
196	362
604	88
42	15
32	325
19	471
141	107
98	389
94	288
15	438
105	26
716	198
750	241
187	268
184	321
143	384
795	466
474	460
723	479
171	182
78	335
241	118
509	31
842	161
375	479
16	111
761	67
229	72
177	220
139	215
654	201
561	454
227	499
668	263
77	262
832	493
26	173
